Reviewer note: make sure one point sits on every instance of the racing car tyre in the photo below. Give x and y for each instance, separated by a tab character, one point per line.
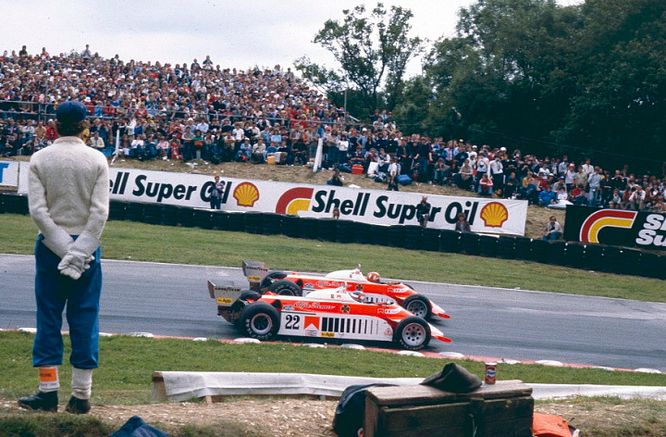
413	333
285	288
270	278
243	300
418	305
260	320
249	295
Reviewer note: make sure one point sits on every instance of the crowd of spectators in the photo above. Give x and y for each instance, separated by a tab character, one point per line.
201	111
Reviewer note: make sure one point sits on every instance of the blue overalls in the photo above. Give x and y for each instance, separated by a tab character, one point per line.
53	292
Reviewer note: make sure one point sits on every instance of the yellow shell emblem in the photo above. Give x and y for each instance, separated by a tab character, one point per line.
246	194
494	214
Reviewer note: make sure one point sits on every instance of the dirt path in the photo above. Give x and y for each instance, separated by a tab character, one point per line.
281	417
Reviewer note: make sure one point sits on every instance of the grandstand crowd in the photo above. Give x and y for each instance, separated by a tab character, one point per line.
201	111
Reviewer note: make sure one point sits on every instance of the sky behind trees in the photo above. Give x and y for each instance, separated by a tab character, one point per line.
235	34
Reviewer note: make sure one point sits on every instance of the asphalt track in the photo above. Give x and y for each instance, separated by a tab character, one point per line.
170	299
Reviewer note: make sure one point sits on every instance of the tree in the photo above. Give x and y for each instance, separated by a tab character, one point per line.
372	50
589	79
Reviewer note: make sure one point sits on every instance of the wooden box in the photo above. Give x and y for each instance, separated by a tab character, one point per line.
500	410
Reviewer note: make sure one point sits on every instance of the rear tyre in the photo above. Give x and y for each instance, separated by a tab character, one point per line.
285	288
418	305
260	320
270	278
412	334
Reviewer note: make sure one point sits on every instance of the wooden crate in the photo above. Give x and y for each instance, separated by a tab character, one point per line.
500	410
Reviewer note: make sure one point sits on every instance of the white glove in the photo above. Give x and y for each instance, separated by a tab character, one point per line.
74	263
72	272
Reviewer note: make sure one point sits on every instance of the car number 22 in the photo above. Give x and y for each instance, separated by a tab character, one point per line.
293	321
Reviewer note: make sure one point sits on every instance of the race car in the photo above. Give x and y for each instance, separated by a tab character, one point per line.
376	290
328	313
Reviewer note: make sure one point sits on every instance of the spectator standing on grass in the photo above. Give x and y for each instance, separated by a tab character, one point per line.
553	230
69	202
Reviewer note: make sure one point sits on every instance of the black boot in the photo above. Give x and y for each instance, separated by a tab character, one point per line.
41	401
77	406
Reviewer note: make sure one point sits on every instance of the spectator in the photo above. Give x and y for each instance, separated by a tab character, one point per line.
547	197
496	170
485	185
336	180
259	152
462	225
553	230
393	173
423	212
464	177
216	192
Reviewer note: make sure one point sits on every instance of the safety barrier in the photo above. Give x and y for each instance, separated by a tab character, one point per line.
597	257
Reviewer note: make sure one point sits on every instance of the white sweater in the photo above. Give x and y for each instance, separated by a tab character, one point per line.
69	195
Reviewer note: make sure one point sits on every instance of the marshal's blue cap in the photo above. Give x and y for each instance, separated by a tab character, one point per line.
71	111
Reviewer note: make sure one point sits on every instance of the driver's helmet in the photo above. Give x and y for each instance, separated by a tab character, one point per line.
358	296
373	277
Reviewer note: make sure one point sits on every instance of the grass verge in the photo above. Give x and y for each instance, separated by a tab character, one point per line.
138	241
128	363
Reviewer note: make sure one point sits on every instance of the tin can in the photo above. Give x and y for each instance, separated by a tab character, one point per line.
491	373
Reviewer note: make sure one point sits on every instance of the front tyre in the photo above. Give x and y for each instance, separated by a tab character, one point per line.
418	305
260	320
412	334
285	288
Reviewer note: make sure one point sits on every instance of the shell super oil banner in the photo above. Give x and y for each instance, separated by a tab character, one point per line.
380	207
646	230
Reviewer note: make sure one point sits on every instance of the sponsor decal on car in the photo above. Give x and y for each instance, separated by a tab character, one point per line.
328	284
328	334
224	300
388	311
313	306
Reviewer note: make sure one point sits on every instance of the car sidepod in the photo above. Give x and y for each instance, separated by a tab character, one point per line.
334	320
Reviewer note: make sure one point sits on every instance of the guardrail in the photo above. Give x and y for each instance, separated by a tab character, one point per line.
597	257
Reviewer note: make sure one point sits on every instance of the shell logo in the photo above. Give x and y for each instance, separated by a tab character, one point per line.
294	200
246	194
605	218
494	214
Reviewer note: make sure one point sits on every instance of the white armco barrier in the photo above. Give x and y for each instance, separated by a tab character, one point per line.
180	386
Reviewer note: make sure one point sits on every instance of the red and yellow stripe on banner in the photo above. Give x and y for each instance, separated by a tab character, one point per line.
605	218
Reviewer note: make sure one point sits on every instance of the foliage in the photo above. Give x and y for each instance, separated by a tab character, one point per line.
372	49
588	80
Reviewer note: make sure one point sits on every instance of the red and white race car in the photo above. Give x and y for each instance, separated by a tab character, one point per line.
376	290
329	314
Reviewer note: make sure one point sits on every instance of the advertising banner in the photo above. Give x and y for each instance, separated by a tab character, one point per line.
9	173
364	205
646	230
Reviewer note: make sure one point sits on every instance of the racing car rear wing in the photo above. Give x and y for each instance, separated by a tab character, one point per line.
254	271
224	296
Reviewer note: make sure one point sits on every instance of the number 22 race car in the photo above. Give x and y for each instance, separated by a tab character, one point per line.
302	284
328	313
